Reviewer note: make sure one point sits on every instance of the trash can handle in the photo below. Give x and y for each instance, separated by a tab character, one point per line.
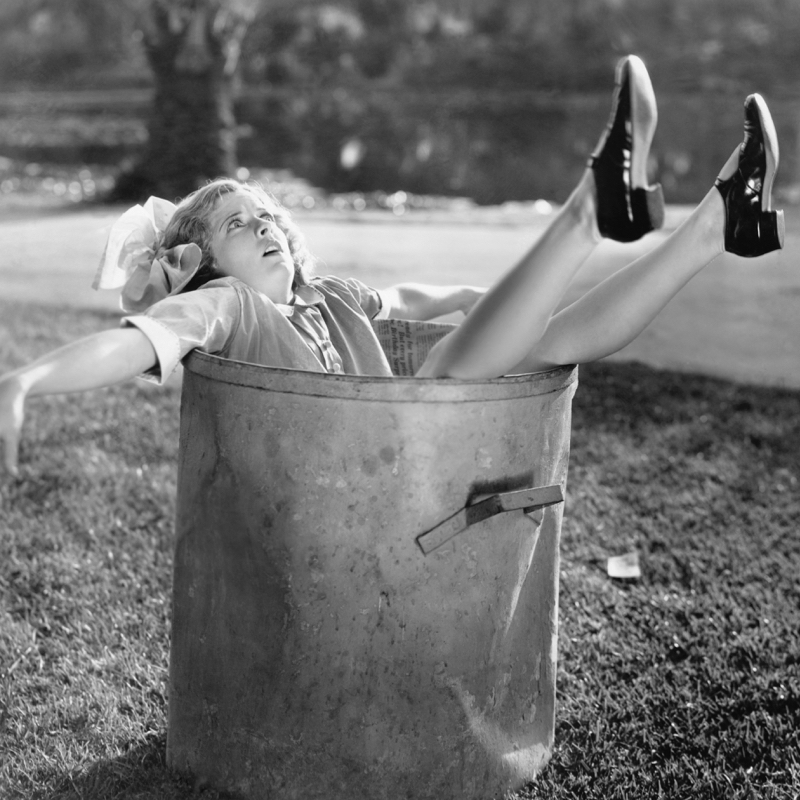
527	499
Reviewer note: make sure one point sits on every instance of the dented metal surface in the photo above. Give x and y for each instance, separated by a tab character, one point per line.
316	651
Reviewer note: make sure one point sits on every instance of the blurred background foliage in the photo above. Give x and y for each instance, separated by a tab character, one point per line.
491	99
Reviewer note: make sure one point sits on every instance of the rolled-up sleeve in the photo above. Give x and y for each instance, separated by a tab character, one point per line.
204	319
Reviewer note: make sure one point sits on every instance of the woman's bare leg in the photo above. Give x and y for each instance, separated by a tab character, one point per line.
616	311
730	218
499	331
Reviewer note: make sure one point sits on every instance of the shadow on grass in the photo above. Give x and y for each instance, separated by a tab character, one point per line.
140	774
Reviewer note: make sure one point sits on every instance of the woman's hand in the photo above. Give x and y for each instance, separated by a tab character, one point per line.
12	412
471	295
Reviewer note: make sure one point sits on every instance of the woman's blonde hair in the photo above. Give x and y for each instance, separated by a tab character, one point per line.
189	223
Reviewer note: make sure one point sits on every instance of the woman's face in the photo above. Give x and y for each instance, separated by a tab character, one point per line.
247	244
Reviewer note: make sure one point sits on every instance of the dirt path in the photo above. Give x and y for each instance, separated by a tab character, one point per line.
739	319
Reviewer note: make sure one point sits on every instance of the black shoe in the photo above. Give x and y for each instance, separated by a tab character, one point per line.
627	208
751	227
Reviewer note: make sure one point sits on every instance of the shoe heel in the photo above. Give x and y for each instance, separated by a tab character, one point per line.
648	207
773	230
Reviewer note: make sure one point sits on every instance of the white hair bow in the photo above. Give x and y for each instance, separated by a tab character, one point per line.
130	259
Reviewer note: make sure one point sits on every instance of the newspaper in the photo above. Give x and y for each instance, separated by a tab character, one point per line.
408	342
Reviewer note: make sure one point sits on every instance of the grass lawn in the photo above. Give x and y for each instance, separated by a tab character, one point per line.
685	683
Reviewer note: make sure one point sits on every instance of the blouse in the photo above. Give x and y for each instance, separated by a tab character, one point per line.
327	328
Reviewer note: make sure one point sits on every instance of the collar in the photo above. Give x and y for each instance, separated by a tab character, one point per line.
304	297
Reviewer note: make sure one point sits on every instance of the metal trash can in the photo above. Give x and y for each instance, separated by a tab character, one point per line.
366	582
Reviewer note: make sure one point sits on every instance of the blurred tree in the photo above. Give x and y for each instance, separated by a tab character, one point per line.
377	76
45	42
193	48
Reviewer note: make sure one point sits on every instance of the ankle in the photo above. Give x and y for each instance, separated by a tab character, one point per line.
730	167
581	206
708	223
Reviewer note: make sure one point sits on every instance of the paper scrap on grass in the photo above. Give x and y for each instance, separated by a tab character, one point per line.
626	566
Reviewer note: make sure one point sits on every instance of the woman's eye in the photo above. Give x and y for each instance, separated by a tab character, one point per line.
235	223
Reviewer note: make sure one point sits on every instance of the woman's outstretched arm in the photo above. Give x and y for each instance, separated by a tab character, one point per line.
421	301
102	359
